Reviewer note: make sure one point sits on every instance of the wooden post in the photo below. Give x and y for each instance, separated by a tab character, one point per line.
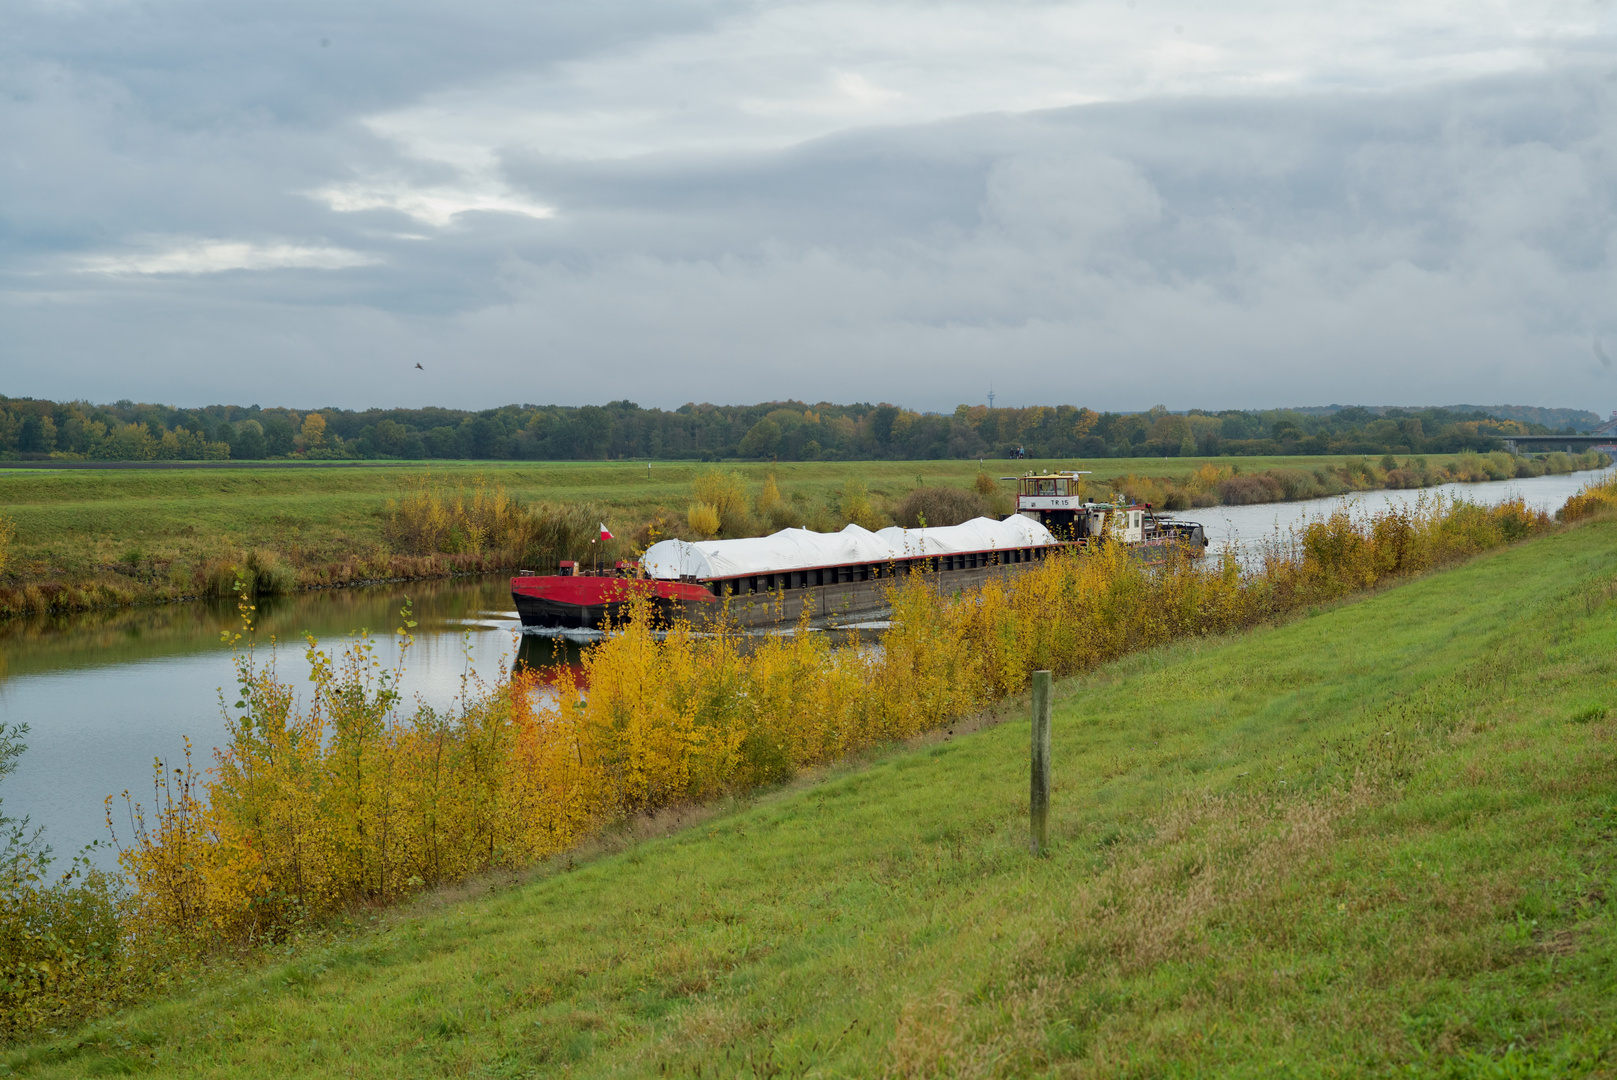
1039	800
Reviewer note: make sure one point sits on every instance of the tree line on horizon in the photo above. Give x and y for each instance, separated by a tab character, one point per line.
34	429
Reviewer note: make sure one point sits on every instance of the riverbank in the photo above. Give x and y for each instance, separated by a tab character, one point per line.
1374	838
102	538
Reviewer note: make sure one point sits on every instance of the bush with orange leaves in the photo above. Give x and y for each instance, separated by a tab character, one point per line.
351	802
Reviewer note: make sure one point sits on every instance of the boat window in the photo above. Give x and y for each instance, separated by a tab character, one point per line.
1047	487
1061	487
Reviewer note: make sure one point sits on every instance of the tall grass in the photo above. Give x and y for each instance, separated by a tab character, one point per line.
485	524
433	518
261	572
557	531
939	506
8	533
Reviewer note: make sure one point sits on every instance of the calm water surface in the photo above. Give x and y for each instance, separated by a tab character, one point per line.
1247	527
106	693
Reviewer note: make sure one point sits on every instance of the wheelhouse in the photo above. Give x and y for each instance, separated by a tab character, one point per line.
1056	501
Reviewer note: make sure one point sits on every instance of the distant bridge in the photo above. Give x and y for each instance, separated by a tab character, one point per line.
1604	435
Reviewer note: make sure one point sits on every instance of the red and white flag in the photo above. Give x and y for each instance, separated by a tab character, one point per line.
606	534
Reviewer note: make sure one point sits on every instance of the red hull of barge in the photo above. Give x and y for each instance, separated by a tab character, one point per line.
588	603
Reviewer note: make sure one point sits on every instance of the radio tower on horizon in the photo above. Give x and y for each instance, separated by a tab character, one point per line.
991	398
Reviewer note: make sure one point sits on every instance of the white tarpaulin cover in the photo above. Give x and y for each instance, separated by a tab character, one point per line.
800	549
978	534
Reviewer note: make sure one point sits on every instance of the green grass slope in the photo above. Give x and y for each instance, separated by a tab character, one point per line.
1378	840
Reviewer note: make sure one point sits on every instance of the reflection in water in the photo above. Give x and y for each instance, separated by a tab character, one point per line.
95	639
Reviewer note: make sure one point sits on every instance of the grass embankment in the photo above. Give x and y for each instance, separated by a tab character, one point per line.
1375	839
97	538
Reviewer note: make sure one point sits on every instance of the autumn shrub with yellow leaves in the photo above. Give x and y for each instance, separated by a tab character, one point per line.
1596	498
725	497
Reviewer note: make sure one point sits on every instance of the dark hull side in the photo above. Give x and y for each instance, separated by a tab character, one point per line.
550	615
556	615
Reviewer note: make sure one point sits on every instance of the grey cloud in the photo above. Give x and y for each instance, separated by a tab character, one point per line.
215	66
1452	242
206	119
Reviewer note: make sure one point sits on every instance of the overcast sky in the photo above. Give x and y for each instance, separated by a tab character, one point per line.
1114	203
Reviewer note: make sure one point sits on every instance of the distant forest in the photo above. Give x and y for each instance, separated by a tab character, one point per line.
33	429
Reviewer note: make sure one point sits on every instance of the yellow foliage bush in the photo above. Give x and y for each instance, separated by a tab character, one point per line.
1208	476
703	518
768	499
857	509
726	493
1591	499
308	810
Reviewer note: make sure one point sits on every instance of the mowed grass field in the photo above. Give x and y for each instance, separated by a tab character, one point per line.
73	524
1377	840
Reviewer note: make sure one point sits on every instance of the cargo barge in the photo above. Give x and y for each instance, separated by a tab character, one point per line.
844	576
780	578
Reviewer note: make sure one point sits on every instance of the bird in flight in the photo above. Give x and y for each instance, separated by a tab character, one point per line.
418	367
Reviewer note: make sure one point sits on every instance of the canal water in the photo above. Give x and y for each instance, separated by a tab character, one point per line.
1248	528
105	693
